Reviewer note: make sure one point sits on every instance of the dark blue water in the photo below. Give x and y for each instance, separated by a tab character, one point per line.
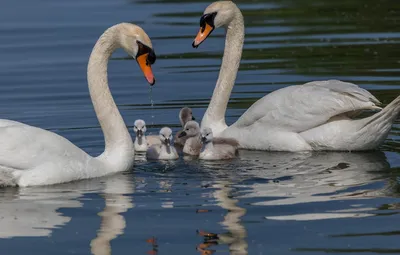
261	203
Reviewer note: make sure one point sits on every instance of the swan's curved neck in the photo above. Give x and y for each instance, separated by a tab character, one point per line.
141	139
116	134
215	114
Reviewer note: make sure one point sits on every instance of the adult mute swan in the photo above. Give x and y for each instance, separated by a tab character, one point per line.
315	116
33	156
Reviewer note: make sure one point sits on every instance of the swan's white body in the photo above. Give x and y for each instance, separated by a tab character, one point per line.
142	141
164	150
217	148
314	116
33	156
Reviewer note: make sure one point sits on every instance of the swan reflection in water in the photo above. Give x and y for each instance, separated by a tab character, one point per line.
318	177
113	223
33	211
235	237
292	179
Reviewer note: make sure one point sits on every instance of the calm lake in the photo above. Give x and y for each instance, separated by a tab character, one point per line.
261	203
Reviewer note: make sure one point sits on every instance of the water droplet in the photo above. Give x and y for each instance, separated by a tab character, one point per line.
151	105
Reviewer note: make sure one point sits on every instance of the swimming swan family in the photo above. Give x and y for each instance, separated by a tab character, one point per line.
319	115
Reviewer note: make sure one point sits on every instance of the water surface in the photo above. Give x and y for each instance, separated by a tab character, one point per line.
261	203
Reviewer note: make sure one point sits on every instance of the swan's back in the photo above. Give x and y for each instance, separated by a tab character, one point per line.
34	156
24	147
302	107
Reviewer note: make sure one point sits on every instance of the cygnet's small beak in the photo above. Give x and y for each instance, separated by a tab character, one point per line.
167	141
193	118
203	139
139	133
182	134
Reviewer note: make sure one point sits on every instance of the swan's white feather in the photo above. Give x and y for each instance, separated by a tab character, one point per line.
313	116
35	156
300	108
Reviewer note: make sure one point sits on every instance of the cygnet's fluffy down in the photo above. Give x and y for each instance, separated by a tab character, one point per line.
191	132
185	115
217	148
143	142
164	150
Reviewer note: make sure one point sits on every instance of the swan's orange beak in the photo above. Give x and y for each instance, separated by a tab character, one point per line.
146	68
202	35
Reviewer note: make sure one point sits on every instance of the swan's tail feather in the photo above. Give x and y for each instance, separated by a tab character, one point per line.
377	126
388	115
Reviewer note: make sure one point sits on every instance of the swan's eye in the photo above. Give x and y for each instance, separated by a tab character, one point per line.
152	57
144	49
207	18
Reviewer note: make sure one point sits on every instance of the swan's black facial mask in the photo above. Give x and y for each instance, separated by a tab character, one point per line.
206	27
182	134
145	57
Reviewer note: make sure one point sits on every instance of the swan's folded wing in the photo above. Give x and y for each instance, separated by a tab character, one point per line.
299	108
24	147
